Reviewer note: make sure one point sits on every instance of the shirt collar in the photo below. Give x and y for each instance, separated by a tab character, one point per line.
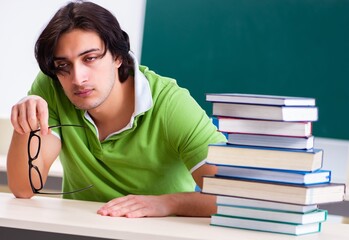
143	97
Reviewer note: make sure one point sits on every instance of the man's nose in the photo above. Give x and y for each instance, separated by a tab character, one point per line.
80	74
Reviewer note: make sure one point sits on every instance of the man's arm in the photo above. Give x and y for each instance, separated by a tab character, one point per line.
28	114
193	204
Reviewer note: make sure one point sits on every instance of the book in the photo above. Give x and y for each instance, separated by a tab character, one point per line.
281	176
262	157
251	126
260	99
266	112
315	216
266	226
271	141
287	193
264	204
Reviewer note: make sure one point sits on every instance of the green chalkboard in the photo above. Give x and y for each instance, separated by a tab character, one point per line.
279	47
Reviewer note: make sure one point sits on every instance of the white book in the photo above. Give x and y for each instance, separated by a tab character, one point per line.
271	141
266	112
264	204
260	99
265	157
272	175
254	126
278	192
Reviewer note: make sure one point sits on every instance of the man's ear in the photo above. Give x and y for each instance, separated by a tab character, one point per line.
118	61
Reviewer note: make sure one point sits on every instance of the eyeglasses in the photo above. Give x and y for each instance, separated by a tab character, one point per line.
34	170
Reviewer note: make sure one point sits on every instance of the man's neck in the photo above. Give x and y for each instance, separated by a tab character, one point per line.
115	113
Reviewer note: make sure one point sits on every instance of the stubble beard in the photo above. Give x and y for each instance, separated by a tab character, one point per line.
91	104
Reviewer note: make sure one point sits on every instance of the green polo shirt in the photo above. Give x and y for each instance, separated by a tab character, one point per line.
154	156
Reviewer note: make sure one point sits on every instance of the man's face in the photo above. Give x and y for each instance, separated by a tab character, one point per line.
86	76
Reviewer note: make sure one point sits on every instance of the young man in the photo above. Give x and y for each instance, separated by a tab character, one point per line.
137	137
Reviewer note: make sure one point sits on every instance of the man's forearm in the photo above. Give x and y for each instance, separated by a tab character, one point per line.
17	162
192	204
17	166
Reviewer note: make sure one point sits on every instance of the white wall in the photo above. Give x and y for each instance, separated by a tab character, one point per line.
21	21
336	157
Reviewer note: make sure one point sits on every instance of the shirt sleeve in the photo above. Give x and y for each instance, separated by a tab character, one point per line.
43	86
189	128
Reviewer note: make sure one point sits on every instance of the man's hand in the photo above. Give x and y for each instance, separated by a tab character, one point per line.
134	206
30	113
194	204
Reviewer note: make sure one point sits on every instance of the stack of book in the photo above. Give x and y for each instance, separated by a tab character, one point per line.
269	175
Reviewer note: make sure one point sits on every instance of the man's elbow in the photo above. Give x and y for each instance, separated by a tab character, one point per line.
25	195
20	192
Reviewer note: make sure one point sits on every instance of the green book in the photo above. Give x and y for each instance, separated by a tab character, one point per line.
315	216
265	226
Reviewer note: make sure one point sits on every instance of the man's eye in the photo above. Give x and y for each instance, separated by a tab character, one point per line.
62	66
90	59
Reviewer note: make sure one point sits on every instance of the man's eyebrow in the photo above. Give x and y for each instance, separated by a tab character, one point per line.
55	58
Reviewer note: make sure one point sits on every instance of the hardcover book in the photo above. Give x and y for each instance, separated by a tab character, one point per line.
266	226
260	99
281	176
264	204
315	216
252	126
262	157
266	112
287	193
271	141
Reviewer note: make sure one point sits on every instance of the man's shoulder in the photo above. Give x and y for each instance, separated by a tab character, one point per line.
155	78
42	81
49	89
161	85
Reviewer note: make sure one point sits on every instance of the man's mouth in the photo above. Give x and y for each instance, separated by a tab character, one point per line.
83	92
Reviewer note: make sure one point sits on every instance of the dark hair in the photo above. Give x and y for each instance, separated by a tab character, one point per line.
90	17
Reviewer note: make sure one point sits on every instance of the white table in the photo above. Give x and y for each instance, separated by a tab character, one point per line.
73	217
